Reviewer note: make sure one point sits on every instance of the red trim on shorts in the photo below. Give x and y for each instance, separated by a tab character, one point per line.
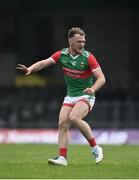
89	107
68	104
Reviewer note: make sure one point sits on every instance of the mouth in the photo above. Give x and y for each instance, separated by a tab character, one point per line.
80	48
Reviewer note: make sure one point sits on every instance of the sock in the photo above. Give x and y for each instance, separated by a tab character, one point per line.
92	142
63	152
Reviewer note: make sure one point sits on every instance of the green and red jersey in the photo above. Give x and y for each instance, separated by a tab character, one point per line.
77	70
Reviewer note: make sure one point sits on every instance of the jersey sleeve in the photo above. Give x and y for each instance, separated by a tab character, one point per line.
94	65
56	56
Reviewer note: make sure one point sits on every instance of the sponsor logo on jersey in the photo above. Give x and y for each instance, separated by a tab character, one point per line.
77	73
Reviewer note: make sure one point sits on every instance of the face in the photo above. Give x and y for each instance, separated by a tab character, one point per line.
77	43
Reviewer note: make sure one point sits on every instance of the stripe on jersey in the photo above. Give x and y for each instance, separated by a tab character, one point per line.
77	73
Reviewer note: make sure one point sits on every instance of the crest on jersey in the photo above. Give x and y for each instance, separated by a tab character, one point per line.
82	64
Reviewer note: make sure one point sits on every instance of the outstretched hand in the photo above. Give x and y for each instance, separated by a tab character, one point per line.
23	68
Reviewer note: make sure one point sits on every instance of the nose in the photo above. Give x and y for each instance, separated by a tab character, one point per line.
82	44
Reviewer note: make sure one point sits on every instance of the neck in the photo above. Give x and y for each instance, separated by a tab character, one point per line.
72	52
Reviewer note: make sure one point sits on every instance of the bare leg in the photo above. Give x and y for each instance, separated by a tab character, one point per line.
64	125
79	111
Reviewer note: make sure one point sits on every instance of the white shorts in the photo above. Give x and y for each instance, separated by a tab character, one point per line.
71	101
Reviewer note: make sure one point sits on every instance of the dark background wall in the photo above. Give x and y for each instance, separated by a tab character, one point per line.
33	30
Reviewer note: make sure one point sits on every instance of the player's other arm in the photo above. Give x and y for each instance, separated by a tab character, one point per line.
40	64
100	81
97	73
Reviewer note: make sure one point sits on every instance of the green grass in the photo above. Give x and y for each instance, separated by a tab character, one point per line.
30	161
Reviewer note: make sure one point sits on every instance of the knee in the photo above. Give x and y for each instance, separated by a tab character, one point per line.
63	125
73	118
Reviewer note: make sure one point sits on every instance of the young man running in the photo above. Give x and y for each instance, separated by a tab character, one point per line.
79	66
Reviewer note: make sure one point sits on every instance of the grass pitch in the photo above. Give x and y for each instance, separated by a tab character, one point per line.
30	161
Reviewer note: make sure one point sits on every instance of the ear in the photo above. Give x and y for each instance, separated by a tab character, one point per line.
69	40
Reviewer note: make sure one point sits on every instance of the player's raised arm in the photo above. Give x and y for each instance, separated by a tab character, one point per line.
35	67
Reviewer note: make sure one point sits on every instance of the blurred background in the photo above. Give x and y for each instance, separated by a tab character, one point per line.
32	30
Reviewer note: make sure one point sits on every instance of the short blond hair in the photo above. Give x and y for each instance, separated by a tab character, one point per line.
75	30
